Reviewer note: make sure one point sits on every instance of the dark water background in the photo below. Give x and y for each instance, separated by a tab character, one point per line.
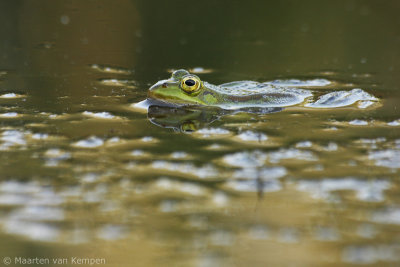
75	181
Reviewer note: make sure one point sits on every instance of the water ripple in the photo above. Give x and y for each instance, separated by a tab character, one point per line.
371	191
91	142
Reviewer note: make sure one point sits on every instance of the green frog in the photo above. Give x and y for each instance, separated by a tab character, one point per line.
185	103
186	89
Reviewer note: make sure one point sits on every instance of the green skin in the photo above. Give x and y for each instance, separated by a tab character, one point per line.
169	91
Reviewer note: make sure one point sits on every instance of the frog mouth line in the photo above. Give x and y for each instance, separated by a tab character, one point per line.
159	102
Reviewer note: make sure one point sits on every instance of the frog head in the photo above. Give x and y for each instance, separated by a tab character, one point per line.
182	88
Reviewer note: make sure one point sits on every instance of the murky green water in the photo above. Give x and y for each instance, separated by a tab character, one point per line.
84	174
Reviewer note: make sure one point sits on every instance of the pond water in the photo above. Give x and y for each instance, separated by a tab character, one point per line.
85	174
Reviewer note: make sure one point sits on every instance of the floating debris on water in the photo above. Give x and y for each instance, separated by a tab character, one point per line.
118	82
148	139
137	153
9	115
179	155
169	206
12	138
332	146
370	254
109	69
200	70
206	171
366	190
220	199
34	230
358	122
40	136
301	83
90	142
222	238
304	144
394	123
389	158
255	186
246	159
213	132
289	235
367	230
53	156
291	153
187	188
196	70
11	95
252	136
326	234
388	216
266	173
111	232
100	115
344	98
258	232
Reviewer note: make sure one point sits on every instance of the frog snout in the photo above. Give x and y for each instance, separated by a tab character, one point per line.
160	84
155	86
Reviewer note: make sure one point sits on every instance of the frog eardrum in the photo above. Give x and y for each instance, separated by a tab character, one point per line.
191	84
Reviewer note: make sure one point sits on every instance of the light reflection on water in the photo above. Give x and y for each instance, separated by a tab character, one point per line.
128	184
84	172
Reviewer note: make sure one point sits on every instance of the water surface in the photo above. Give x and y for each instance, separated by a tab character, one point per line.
84	174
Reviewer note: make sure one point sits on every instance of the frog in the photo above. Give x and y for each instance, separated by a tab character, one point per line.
187	89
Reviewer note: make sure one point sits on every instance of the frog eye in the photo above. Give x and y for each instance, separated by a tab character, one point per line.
191	84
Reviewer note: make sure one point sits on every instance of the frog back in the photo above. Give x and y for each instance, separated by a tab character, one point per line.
241	94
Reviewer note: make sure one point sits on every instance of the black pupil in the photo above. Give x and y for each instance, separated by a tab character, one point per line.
190	82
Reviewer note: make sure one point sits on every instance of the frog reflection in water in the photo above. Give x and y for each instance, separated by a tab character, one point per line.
204	102
181	119
190	118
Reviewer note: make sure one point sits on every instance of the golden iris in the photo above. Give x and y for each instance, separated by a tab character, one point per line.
191	84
